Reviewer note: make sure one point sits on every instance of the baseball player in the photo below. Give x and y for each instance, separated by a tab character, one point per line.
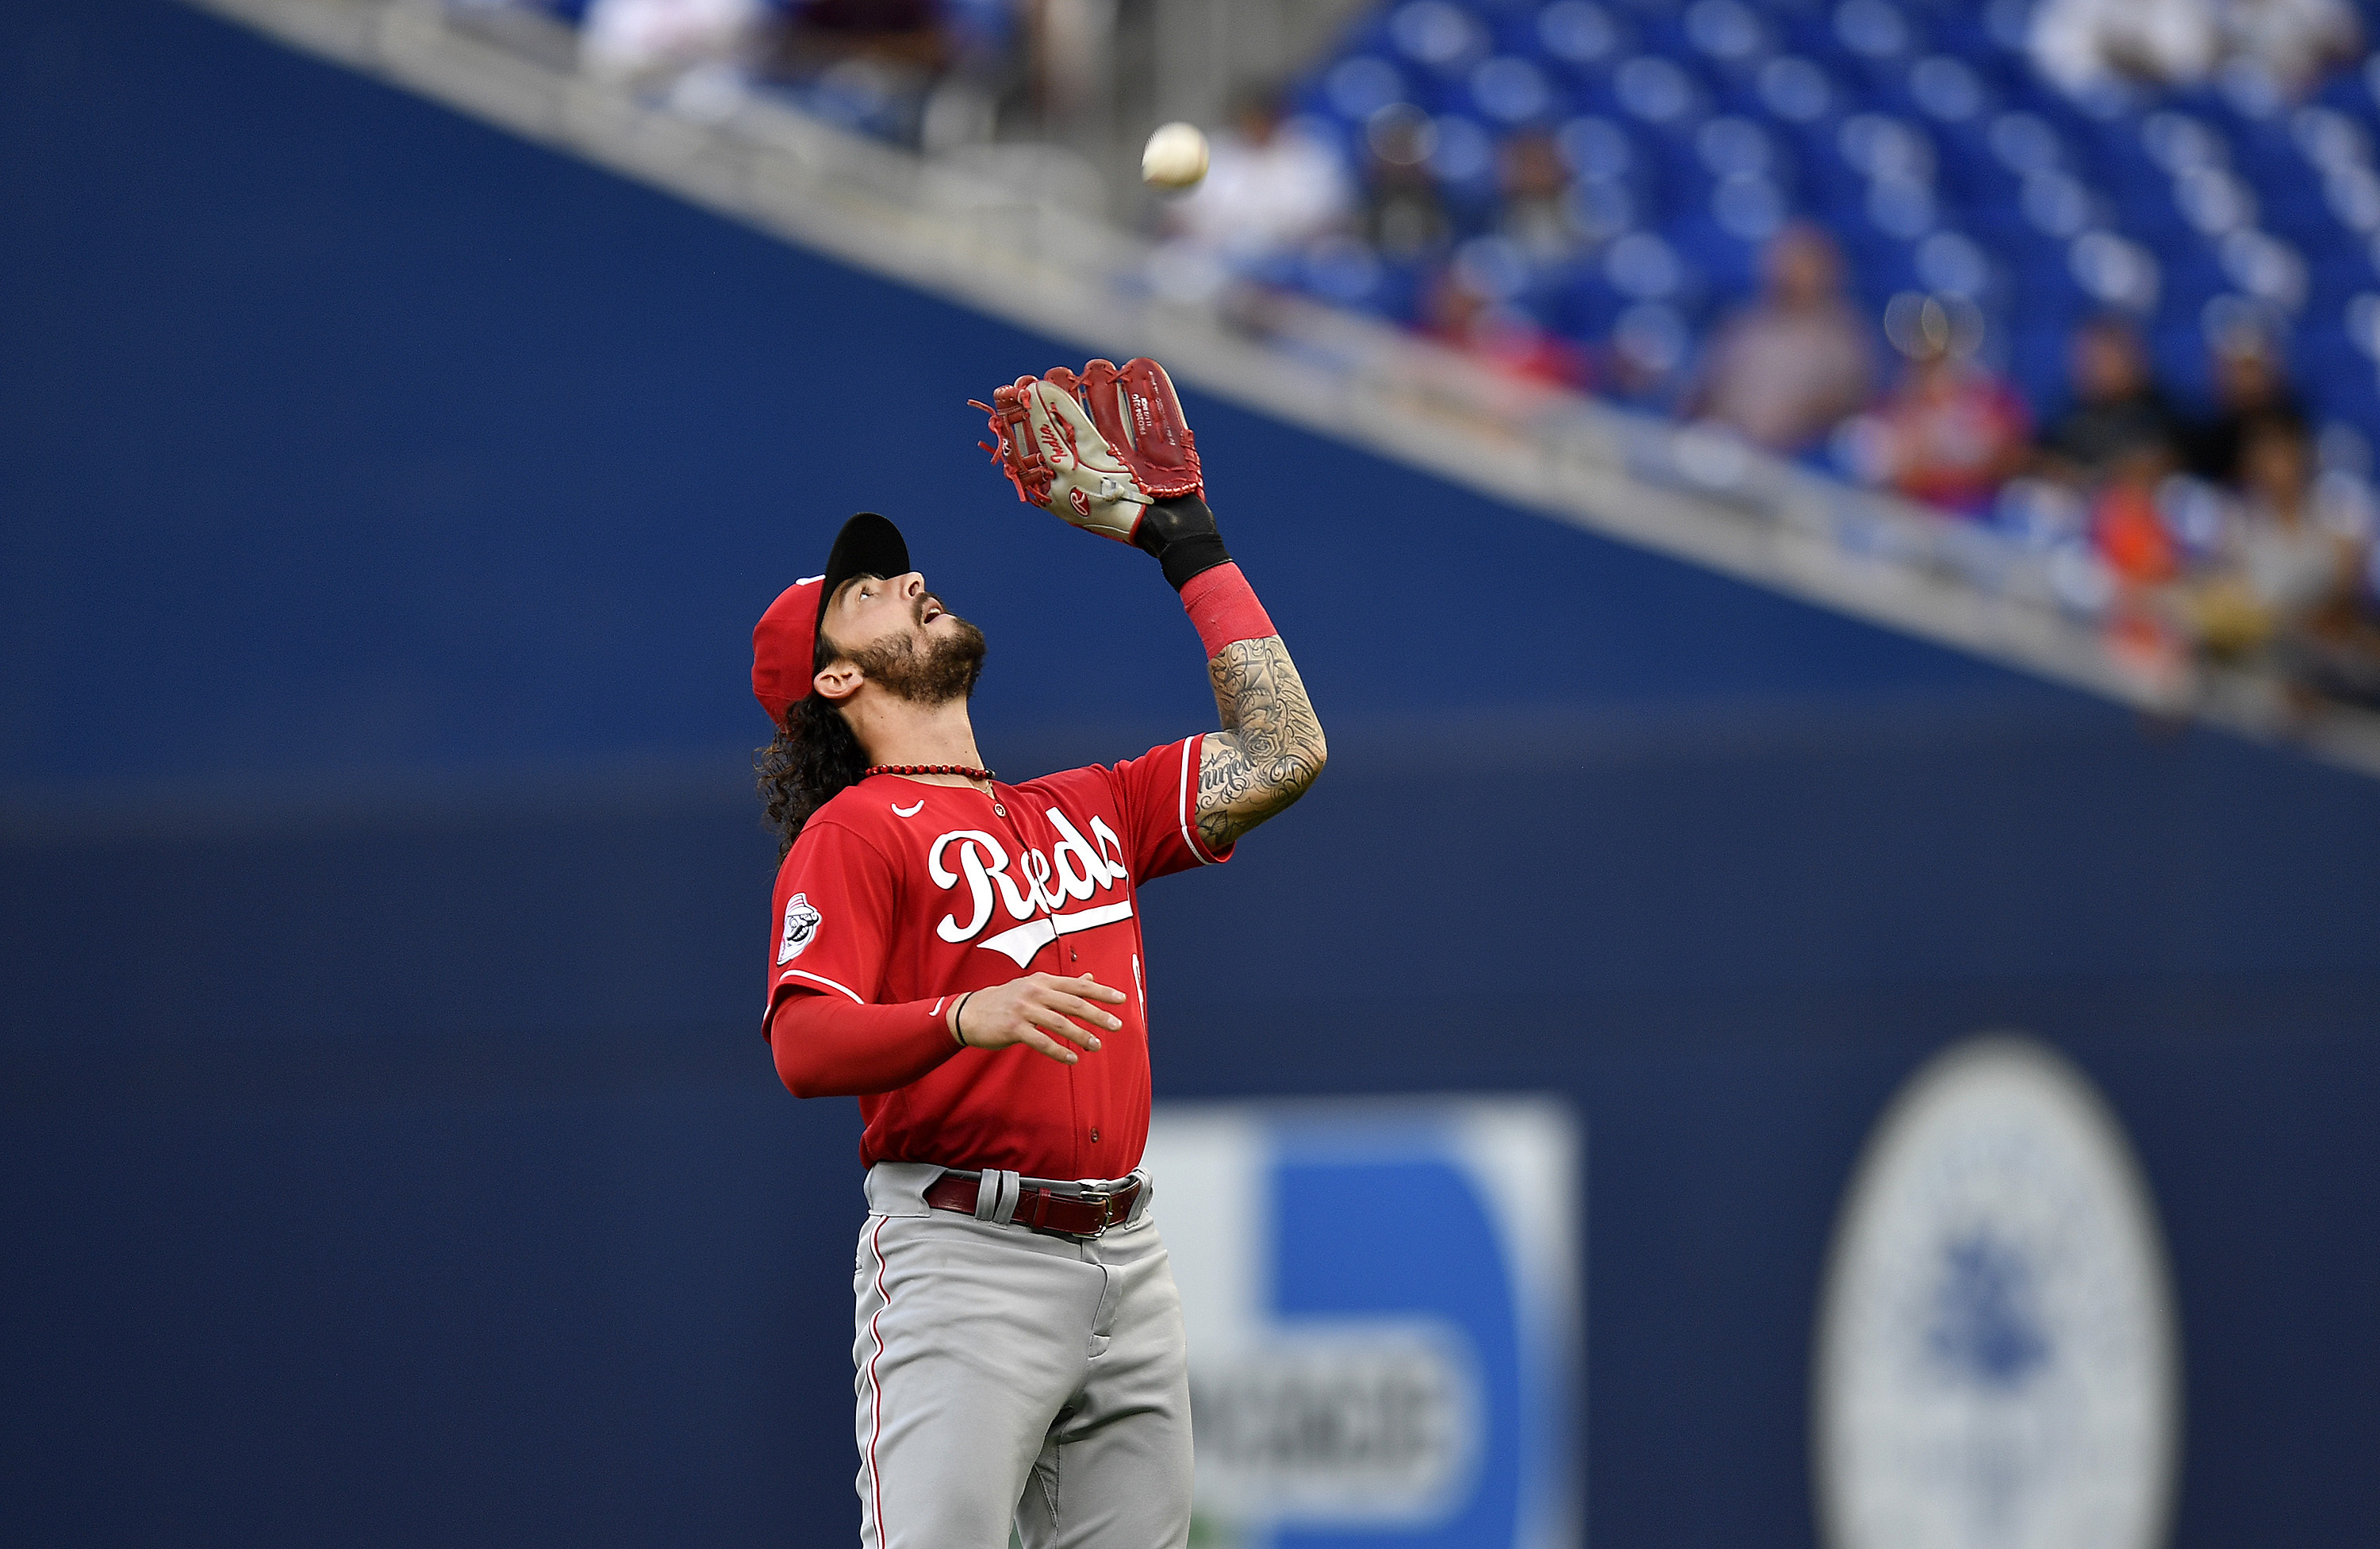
963	955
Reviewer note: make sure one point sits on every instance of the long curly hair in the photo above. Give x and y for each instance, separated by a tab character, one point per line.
808	765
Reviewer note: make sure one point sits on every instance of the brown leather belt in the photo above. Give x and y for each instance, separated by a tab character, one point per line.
1085	1213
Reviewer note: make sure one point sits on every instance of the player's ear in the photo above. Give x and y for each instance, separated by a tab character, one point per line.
838	681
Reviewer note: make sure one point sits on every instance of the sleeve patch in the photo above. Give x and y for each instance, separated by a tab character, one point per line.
801	928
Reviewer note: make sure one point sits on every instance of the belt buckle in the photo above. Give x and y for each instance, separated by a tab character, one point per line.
1100	1198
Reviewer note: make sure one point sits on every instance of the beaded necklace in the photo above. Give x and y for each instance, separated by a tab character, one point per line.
961	769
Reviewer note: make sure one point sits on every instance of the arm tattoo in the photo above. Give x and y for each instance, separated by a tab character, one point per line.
1271	748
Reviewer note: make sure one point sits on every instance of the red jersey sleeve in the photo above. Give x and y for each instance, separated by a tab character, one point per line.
837	900
827	1047
1158	796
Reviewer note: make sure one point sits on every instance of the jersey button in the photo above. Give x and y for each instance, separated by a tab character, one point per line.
998	810
1095	1137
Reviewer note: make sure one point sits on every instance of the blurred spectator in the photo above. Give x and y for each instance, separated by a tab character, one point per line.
1270	187
2087	45
1953	432
624	40
2290	581
2118	415
1403	216
984	65
1073	48
2084	44
924	73
2249	387
2128	534
1536	185
1500	335
2295	561
2127	528
2117	442
1784	370
827	30
2295	43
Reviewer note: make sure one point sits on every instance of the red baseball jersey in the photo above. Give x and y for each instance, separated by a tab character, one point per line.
900	891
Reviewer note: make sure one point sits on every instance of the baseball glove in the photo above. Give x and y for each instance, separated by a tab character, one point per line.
1097	448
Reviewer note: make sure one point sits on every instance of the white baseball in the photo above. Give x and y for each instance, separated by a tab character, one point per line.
1175	157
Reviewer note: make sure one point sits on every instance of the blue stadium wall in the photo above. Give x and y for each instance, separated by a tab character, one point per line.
390	1154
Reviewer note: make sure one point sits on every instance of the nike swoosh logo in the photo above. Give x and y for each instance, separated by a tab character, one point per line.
910	812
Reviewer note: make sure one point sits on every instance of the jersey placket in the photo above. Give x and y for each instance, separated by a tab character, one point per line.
1040	885
1075	1127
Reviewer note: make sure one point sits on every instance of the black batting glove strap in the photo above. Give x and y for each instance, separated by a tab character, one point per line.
1181	533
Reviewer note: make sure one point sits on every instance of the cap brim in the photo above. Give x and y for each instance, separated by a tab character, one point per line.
867	546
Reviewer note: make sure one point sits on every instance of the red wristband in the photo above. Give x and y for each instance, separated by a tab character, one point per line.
1224	609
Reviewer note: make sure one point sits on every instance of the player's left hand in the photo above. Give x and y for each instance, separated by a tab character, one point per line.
1097	448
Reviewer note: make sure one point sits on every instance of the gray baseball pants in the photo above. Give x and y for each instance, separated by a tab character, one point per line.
1007	1375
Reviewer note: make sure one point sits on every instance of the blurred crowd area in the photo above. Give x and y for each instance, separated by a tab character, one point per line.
2098	278
931	74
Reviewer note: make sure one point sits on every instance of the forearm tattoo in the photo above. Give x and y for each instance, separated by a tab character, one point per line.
1271	748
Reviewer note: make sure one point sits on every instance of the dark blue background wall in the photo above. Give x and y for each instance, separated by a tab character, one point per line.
390	1155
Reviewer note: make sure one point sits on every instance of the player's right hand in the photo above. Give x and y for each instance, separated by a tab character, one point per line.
1030	1009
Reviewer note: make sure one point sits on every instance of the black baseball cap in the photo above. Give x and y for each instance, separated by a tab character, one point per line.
867	546
784	643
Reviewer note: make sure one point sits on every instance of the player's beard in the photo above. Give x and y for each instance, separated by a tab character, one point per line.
940	669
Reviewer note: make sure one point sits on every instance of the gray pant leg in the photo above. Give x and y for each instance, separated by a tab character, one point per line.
1114	1472
969	1340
